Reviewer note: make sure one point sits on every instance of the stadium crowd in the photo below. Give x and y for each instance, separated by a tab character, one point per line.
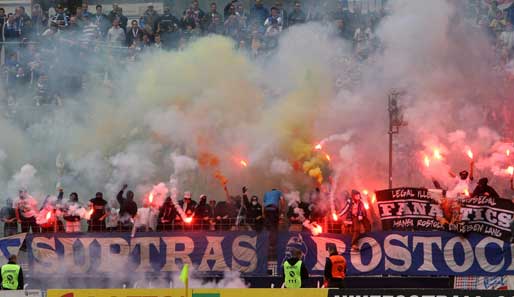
41	48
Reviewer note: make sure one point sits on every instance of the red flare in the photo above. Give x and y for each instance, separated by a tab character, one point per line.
243	163
427	161
334	217
318	147
365	192
470	154
90	213
466	192
327	156
507	152
374	198
510	170
150	198
316	229
188	220
48	215
437	154
366	205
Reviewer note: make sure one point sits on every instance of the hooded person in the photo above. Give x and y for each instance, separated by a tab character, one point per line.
188	205
462	182
128	209
167	215
96	221
254	214
202	214
483	189
295	272
356	217
25	208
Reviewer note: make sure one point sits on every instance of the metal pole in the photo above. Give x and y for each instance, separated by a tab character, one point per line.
390	145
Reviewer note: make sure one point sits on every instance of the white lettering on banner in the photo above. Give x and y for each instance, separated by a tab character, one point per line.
428	259
403	209
419	208
213	252
481	257
386	209
244	254
397	252
144	244
111	261
376	255
45	259
490	215
504	219
70	263
172	254
449	256
321	250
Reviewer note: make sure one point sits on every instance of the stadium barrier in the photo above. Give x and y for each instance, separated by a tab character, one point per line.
191	293
22	293
417	293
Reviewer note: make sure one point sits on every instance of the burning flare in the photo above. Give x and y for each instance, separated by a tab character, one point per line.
427	161
150	198
90	213
437	154
316	230
188	220
510	170
374	198
466	192
470	154
366	205
243	163
365	192
334	217
327	156
318	147
48	215
507	152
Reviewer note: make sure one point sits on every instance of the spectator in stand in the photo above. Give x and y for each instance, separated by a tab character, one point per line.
243	16
146	43
483	189
60	18
215	26
209	18
90	32
11	34
101	21
113	14
26	211
274	19
24	21
198	13
85	10
356	214
188	206
123	19
167	214
72	213
97	219
282	13
3	20
39	21
128	209
135	34
116	35
258	13
254	213
506	39
188	19
150	17
144	220
342	30
226	9
202	214
233	26
8	216
297	16
167	26
225	212
273	208
296	214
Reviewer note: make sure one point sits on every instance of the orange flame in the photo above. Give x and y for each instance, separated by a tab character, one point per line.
188	220
90	213
316	229
221	178
510	170
437	154
507	152
374	198
243	163
150	198
327	156
334	217
318	147
427	161
366	205
466	192
365	192
48	215
470	154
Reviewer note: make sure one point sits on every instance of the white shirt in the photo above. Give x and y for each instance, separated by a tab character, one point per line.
116	35
27	207
461	186
507	38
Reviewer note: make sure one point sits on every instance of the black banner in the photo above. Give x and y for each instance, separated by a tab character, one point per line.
423	209
417	293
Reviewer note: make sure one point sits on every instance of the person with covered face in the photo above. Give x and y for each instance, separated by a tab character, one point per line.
188	205
73	211
254	214
25	208
484	189
128	209
202	214
167	214
97	219
356	217
462	182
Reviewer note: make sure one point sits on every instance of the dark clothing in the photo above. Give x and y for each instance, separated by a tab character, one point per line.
202	214
29	223
485	190
134	35
188	208
227	212
95	224
126	206
333	282
258	14
254	215
296	17
8	213
167	214
21	283
293	217
303	270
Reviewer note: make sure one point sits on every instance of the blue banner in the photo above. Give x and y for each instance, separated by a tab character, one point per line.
405	253
10	246
210	253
